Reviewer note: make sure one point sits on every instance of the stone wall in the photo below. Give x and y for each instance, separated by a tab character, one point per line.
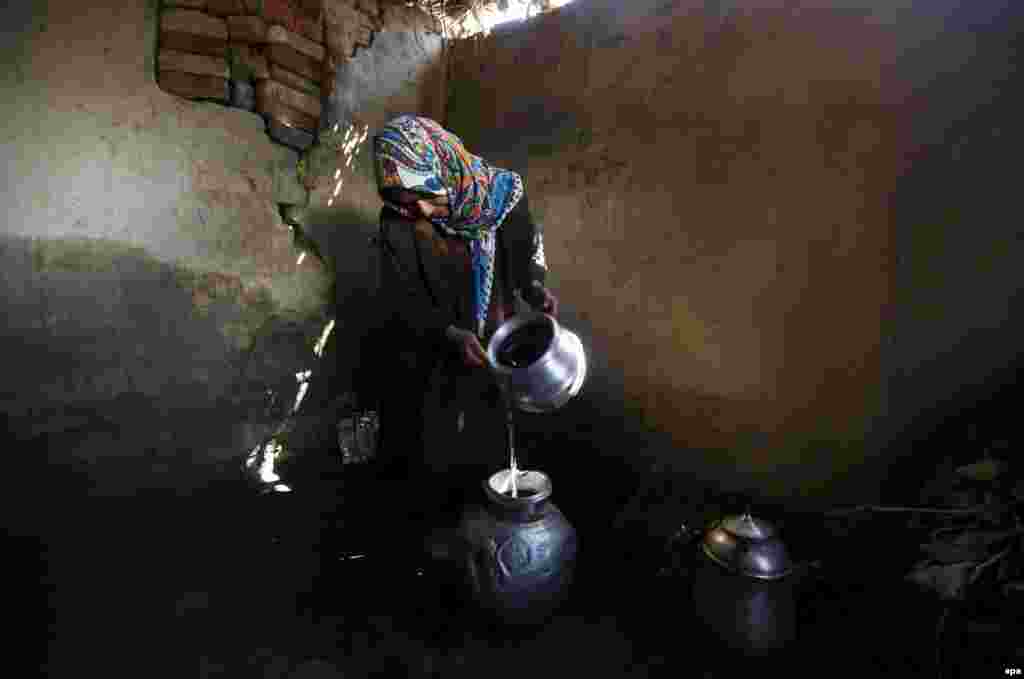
731	196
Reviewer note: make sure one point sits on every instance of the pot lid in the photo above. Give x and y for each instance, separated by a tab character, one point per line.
749	546
747	526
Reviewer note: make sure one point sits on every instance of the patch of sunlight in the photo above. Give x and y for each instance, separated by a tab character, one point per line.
267	475
349	146
486	18
516	11
303	388
318	349
301	257
303	378
353	142
282	488
251	460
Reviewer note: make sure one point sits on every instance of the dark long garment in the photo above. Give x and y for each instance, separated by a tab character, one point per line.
426	281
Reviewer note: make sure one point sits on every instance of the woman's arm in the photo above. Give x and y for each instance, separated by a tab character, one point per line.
538	268
526	244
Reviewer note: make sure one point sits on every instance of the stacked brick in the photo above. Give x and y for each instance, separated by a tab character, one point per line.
192	61
262	55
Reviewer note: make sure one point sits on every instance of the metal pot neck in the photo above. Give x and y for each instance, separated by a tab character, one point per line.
535	482
510	326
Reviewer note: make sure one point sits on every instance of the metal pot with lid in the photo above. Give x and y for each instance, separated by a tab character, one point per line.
741	588
747	546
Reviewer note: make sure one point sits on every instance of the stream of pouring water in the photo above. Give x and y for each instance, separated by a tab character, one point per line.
513	465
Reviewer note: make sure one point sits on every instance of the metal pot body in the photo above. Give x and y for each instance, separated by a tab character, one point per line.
552	373
521	554
751	616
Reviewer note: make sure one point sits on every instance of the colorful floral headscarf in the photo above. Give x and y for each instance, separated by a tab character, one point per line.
417	154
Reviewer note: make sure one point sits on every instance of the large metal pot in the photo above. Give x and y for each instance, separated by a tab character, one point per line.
521	551
539	364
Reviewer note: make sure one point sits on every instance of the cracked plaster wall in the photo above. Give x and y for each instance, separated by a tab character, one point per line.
150	289
757	214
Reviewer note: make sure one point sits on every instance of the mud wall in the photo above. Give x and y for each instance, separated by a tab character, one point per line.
158	304
744	218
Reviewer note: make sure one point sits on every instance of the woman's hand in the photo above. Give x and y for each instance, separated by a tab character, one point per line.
469	347
546	301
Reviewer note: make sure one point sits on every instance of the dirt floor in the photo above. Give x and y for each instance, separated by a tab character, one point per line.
220	582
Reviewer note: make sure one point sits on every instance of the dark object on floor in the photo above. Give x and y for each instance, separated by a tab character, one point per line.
521	551
291	137
243	95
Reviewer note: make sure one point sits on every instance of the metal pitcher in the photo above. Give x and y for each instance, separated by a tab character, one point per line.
538	363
